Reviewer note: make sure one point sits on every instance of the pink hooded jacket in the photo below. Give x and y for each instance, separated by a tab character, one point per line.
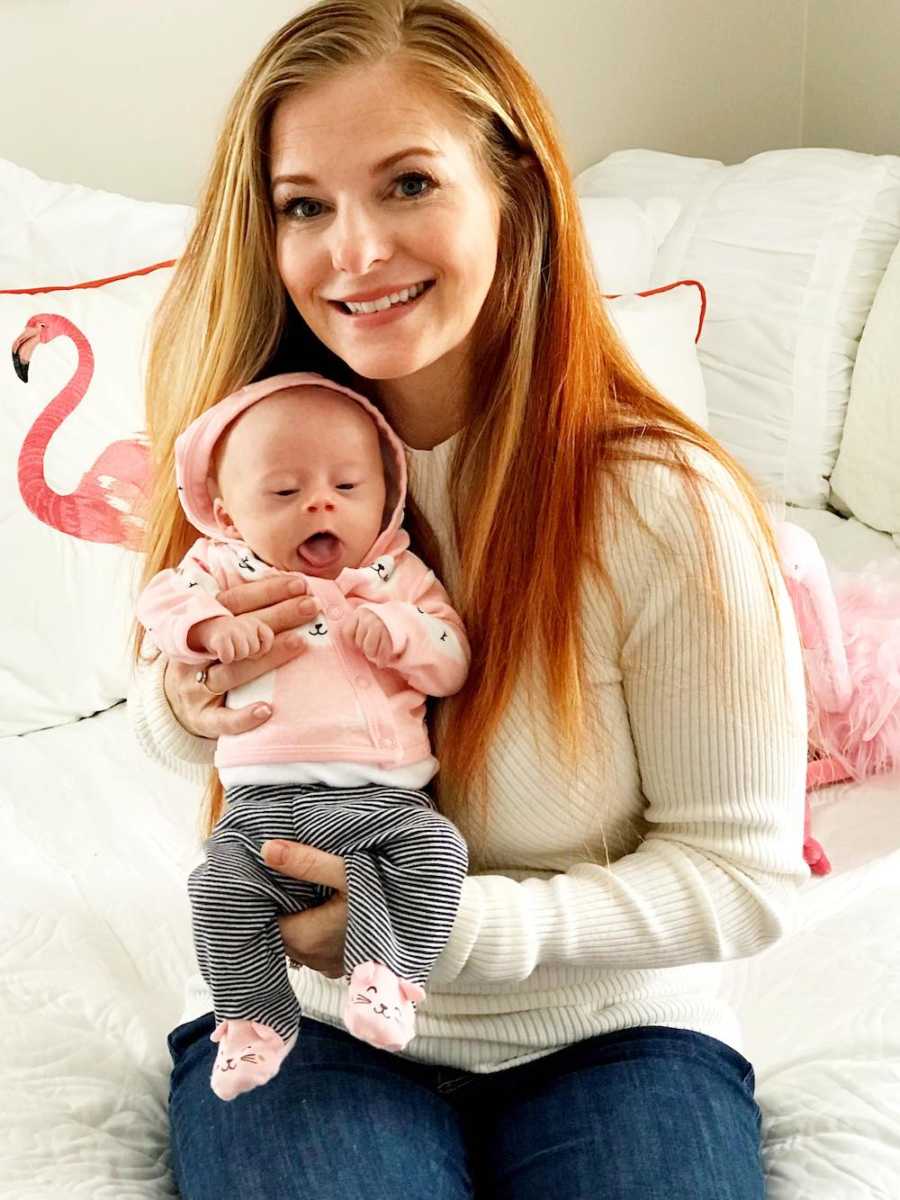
329	704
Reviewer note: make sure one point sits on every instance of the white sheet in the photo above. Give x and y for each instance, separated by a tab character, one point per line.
820	1014
95	944
97	842
821	1010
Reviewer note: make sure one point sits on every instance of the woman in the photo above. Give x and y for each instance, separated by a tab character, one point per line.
627	757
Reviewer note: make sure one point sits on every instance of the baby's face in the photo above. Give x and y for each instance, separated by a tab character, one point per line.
303	461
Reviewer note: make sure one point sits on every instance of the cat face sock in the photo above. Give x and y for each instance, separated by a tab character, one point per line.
381	1007
250	1054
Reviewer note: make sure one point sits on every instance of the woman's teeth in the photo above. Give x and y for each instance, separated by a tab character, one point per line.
370	306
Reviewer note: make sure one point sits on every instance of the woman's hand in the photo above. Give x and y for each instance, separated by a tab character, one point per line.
314	938
200	707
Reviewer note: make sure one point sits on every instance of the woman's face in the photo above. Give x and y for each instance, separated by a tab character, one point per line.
354	227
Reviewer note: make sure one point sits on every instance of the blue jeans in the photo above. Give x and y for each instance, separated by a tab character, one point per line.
653	1113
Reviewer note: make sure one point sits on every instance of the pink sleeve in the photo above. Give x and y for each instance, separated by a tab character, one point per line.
176	599
429	644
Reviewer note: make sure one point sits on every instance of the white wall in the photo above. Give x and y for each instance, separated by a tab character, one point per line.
129	96
714	78
852	93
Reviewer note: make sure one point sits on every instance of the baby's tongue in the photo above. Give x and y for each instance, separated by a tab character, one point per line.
319	549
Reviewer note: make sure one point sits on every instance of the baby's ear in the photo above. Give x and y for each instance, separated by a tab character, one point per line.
223	519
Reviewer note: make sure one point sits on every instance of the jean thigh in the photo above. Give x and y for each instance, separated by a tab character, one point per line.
646	1114
340	1121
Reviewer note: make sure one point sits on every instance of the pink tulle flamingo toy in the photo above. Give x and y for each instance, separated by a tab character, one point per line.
105	507
850	634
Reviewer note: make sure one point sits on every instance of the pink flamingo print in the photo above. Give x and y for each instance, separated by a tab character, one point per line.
105	505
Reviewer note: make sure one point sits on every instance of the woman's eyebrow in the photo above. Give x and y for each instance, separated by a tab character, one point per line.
379	166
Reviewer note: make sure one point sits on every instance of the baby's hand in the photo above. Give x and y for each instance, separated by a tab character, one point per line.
371	636
230	639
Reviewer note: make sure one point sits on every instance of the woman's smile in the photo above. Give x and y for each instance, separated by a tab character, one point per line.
383	316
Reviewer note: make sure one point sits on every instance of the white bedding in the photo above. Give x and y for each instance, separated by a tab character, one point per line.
97	843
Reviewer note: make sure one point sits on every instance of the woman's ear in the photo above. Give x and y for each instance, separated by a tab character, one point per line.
223	520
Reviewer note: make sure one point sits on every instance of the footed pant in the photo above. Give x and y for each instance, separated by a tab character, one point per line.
405	867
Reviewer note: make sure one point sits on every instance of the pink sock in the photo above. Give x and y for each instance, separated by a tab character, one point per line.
250	1054
380	1006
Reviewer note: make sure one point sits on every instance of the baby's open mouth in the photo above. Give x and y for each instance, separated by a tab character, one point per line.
320	550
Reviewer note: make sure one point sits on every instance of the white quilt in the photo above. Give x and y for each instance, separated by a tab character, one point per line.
96	845
97	842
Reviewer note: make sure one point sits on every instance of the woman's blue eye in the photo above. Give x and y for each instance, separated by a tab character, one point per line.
288	206
418	177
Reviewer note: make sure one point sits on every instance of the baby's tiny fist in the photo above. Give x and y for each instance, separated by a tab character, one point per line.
266	638
371	636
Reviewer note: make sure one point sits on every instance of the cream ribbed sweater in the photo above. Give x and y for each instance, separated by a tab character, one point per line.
692	784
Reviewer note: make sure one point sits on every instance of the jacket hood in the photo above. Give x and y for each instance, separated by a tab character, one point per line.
194	447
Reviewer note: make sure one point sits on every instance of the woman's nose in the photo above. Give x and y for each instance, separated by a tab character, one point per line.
359	241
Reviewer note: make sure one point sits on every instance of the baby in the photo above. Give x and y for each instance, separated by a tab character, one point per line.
297	474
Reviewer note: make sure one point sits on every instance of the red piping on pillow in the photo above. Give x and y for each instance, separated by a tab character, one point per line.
678	283
92	283
70	287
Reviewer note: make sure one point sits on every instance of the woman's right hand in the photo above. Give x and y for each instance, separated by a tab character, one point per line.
199	707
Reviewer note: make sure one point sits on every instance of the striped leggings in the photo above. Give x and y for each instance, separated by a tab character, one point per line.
405	867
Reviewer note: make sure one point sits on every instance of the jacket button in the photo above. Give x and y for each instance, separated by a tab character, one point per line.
335	613
388	743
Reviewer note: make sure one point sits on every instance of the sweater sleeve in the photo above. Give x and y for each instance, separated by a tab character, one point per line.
157	731
721	744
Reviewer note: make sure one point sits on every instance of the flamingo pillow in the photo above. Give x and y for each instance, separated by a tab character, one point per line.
74	457
72	477
74	467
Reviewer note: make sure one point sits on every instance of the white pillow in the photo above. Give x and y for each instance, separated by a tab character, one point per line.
103	262
639	173
58	234
866	477
625	237
68	608
661	329
790	246
72	604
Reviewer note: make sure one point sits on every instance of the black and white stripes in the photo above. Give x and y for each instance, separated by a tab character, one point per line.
405	867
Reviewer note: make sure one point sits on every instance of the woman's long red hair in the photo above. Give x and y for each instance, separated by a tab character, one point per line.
535	479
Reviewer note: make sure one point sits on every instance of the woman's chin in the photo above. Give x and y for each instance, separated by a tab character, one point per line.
385	362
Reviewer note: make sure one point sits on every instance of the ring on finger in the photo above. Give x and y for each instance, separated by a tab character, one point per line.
201	677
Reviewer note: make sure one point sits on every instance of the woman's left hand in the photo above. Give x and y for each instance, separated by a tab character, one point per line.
314	937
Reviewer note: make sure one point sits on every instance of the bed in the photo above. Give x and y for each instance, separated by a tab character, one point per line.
97	841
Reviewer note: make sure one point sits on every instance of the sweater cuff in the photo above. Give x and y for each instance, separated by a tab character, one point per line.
451	962
158	732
